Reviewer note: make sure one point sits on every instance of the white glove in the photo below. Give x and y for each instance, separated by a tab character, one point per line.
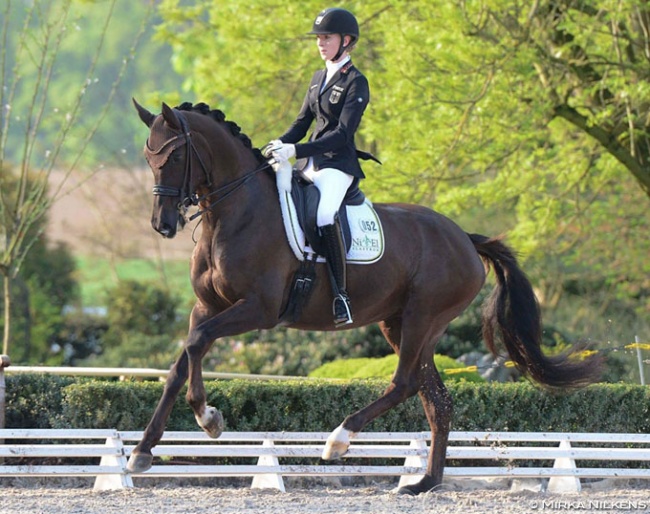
283	174
283	152
270	146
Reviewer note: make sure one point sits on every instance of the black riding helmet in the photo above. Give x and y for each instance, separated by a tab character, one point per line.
337	21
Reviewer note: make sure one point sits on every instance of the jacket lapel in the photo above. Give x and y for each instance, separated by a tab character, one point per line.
336	77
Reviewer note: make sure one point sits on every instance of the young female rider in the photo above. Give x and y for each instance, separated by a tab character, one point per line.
336	99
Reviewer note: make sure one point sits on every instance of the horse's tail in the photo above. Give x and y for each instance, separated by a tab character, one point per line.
512	314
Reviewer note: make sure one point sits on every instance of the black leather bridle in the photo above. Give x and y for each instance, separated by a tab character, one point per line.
186	196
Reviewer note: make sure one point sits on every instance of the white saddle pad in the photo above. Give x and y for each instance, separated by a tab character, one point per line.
367	244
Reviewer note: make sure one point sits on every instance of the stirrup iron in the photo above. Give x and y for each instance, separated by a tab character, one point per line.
341	309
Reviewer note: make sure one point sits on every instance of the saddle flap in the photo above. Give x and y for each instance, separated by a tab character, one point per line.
306	197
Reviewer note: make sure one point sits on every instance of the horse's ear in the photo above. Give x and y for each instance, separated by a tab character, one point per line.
169	115
146	117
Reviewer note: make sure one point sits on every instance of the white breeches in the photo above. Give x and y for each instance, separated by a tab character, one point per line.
332	184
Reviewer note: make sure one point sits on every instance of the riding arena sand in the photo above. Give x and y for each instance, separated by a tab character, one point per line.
458	497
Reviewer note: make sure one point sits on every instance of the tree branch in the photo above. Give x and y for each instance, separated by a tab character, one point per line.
609	142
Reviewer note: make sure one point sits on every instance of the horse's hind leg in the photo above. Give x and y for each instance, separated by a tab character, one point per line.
404	384
437	404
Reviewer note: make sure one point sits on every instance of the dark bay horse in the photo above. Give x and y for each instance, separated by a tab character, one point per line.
242	265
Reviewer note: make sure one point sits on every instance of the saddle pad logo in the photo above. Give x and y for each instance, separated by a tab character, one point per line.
368	239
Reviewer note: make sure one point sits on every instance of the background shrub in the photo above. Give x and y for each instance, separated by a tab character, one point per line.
36	401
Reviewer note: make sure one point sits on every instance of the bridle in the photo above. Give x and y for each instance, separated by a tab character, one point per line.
187	197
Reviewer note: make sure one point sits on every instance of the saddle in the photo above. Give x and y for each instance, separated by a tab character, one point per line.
306	197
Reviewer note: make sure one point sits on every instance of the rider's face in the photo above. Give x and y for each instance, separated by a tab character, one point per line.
328	45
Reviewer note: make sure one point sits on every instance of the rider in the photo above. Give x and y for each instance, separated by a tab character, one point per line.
336	99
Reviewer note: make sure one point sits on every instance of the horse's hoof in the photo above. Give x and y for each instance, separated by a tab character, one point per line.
337	444
423	486
211	422
407	491
139	462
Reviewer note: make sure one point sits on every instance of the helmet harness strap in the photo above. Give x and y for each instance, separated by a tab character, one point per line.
342	47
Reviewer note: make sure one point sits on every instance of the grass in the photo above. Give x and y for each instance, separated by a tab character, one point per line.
97	276
384	367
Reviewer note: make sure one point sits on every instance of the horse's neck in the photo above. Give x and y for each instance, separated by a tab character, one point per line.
252	205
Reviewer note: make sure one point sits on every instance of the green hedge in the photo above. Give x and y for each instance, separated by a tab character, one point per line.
319	405
34	401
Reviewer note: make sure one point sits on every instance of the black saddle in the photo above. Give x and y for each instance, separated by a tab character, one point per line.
306	197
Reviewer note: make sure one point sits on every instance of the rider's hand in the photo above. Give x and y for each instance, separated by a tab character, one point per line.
284	152
270	146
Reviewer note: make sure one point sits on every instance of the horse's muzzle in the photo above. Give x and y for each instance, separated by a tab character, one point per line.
166	226
166	231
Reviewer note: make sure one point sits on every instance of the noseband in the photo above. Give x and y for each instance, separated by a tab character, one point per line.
186	196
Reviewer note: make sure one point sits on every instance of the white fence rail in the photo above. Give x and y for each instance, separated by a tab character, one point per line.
103	454
123	373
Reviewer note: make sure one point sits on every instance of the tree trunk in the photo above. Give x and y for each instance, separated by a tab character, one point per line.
7	308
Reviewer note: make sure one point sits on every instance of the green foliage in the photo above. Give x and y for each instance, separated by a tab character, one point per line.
521	407
50	114
42	280
143	328
35	401
99	275
385	367
292	352
121	404
138	350
98	51
78	338
140	307
320	405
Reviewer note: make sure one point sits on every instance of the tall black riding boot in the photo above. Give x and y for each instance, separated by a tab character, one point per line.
335	248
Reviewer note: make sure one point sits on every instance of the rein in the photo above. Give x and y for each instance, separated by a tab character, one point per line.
235	185
188	198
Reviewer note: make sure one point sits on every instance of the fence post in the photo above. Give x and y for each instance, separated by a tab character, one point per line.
639	359
415	461
564	484
268	480
4	362
117	481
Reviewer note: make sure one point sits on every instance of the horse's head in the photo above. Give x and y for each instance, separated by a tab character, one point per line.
177	160
197	158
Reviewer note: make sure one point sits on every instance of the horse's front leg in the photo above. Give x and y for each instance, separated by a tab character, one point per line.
141	457
204	329
243	316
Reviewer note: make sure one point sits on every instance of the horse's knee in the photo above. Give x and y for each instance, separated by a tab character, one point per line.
402	390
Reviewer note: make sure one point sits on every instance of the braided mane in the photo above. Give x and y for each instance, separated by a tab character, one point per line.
220	117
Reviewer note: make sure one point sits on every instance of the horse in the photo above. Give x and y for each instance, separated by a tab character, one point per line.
241	270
